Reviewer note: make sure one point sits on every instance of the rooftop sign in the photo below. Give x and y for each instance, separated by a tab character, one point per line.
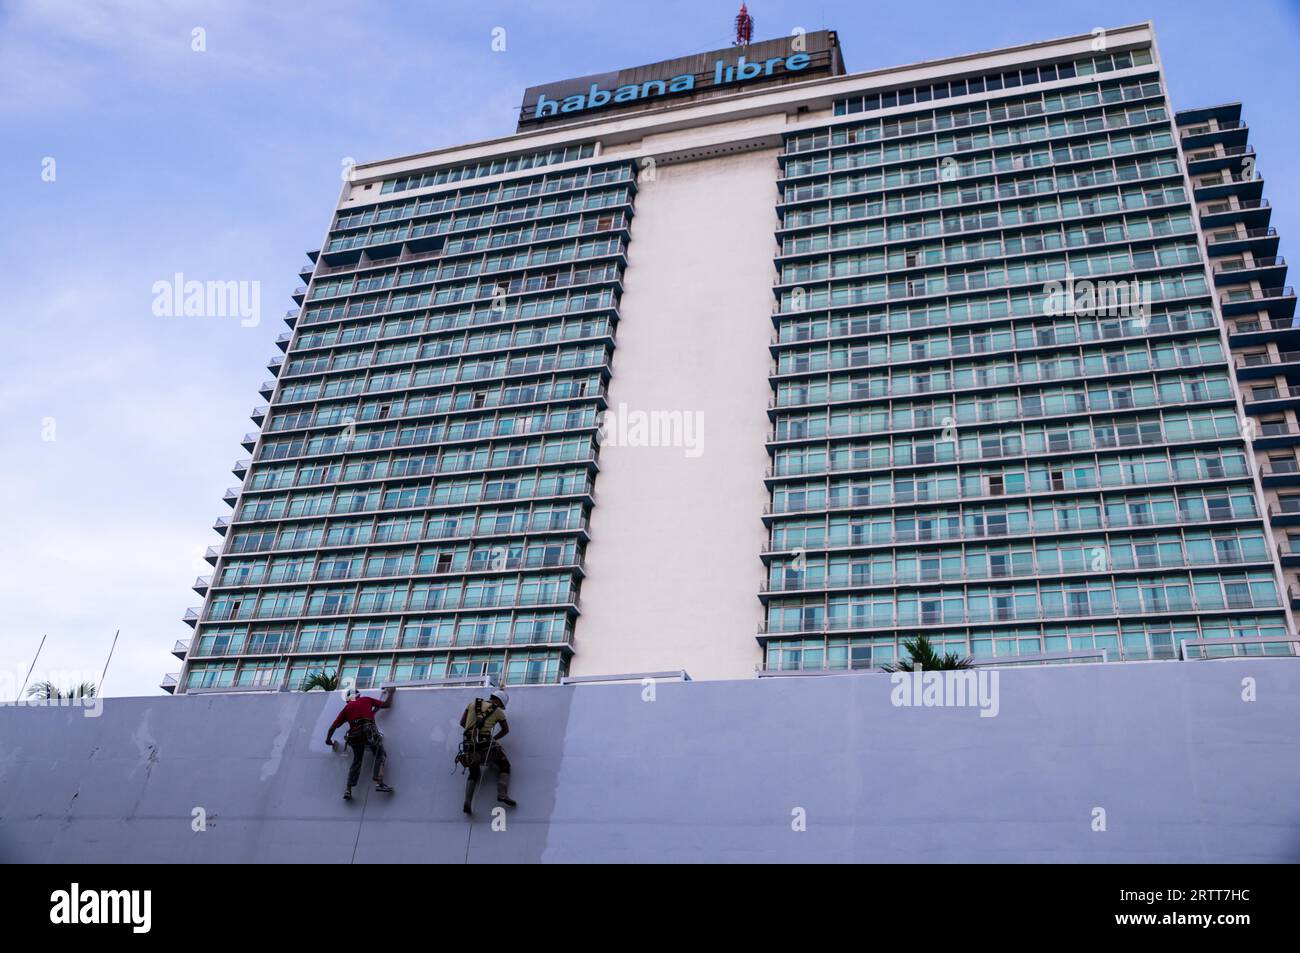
771	62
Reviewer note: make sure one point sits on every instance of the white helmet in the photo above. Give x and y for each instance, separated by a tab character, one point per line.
501	696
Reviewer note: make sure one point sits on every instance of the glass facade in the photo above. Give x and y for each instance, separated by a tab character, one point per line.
417	504
1034	389
957	448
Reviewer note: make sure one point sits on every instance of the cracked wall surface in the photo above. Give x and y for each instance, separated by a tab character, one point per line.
1183	768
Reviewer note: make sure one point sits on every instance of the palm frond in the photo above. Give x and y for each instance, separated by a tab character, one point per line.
925	658
48	691
326	681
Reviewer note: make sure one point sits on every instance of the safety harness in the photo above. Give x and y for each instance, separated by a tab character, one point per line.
363	731
469	753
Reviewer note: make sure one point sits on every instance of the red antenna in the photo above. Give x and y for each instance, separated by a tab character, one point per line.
744	27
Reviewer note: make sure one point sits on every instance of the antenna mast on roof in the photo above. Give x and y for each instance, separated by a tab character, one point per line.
744	27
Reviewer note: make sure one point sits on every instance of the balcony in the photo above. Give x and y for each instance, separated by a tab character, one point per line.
170	682
282	341
221	524
306	271
1281	468
1250	330
240	469
1288	553
291	316
1260	269
1261	240
231	496
1211	159
1253	212
1278	302
191	617
275	364
181	648
299	293
212	554
249	440
1285	512
1229	133
1274	435
201	585
267	389
1260	400
1266	365
1245	188
1280	473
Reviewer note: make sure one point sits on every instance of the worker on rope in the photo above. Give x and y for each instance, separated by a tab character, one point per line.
363	733
480	747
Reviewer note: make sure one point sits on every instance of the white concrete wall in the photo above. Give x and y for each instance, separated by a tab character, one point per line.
1185	769
673	564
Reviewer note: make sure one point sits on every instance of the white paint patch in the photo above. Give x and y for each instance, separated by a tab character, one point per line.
146	745
272	764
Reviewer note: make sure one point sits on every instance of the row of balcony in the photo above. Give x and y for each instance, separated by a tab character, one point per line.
921	494
965	220
999	614
1089	331
566	599
411	641
563	489
944	530
1058	443
792	431
565	563
865	578
1066	367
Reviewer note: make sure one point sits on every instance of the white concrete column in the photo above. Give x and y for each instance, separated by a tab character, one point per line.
673	564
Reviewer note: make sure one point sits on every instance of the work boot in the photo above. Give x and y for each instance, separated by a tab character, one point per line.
469	795
347	794
503	790
383	788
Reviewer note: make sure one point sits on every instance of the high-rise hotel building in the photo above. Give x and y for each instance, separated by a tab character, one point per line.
859	392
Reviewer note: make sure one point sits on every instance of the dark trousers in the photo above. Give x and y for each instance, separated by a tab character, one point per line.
495	757
359	739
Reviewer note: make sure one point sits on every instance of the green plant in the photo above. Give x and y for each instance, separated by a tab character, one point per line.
326	681
48	691
925	658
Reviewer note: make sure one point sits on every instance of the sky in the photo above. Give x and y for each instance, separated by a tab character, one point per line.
140	140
